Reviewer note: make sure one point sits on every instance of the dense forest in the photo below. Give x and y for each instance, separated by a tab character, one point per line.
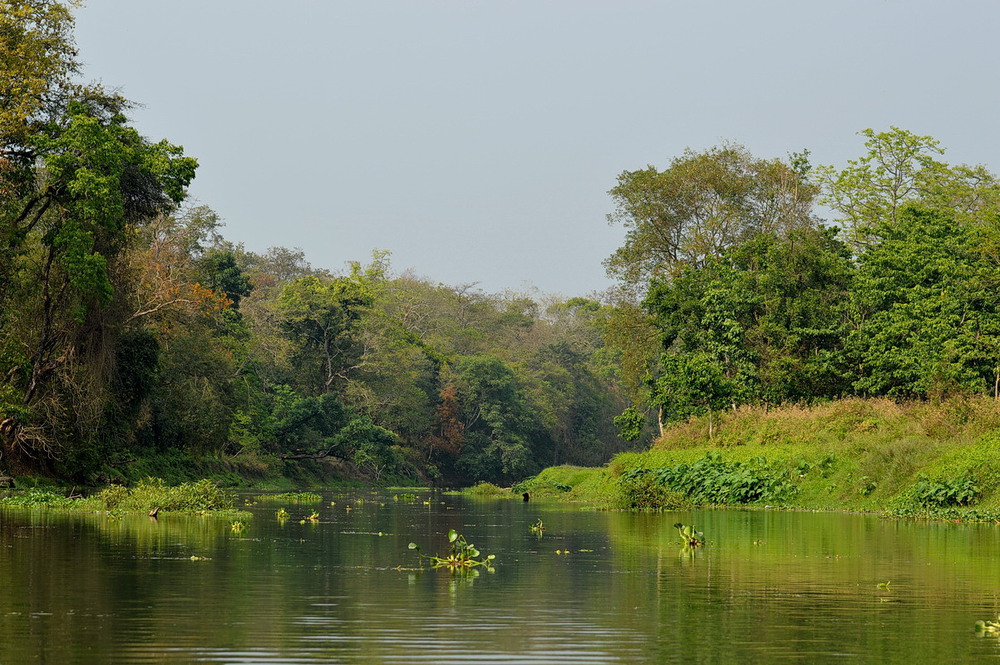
753	300
130	327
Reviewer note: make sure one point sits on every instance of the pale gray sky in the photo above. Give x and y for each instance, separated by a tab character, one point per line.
477	140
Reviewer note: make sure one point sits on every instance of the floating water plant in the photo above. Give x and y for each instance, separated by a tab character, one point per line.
291	497
689	536
282	514
538	528
462	556
983	627
237	526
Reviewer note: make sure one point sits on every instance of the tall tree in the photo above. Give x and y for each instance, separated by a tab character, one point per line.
926	315
899	167
703	203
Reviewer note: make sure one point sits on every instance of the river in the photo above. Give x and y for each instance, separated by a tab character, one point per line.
595	587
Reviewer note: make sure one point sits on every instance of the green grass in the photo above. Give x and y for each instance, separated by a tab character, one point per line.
203	496
488	490
935	459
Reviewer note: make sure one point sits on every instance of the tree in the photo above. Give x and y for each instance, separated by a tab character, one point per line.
320	315
762	323
899	167
924	309
96	180
703	203
502	439
37	63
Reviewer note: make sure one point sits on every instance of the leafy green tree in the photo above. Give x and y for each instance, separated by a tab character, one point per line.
95	180
763	323
320	316
924	309
502	437
224	275
37	65
900	167
703	203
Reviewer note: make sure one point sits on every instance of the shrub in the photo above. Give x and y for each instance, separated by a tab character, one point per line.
945	492
710	480
641	489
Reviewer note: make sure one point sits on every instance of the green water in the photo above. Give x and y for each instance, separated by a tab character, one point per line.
769	587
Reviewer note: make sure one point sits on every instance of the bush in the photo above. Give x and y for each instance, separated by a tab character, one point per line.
944	492
642	489
711	480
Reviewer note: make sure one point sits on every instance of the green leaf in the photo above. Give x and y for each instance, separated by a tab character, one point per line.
452	535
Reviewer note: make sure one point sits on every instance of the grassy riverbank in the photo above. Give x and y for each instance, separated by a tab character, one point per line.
150	496
939	459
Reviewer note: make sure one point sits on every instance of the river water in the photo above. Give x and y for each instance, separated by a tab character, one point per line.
596	587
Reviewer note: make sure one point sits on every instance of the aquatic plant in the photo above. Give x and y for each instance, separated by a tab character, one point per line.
538	528
282	514
237	526
689	536
462	555
151	493
290	497
37	498
489	489
983	627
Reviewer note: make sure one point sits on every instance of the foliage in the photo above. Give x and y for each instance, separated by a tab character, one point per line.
689	536
488	489
923	323
944	492
755	302
203	495
462	556
37	497
711	480
701	205
642	489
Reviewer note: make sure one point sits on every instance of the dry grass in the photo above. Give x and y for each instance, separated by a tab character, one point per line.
833	423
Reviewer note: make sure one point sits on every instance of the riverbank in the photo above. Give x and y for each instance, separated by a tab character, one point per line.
937	459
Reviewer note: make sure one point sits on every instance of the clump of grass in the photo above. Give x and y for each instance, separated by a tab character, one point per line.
37	497
290	497
200	496
488	489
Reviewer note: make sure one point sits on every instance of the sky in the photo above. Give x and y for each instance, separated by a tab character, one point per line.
476	141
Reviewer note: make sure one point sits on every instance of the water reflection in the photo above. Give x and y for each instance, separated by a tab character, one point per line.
766	587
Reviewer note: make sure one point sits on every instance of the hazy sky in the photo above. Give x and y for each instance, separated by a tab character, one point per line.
477	140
